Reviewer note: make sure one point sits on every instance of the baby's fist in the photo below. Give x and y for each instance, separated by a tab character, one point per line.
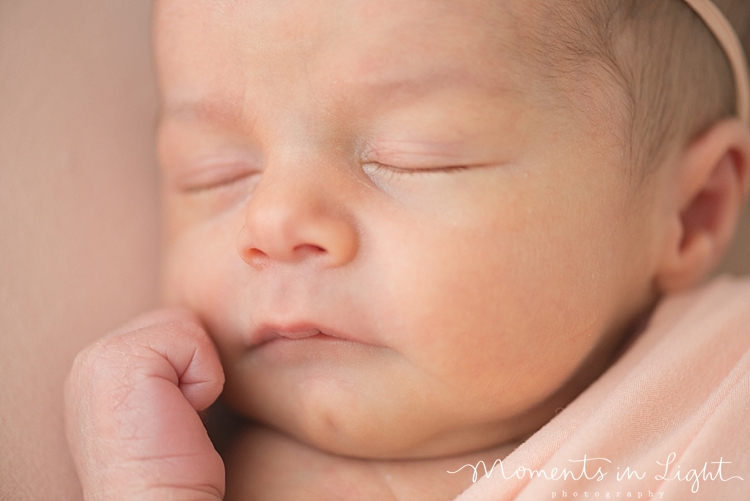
131	412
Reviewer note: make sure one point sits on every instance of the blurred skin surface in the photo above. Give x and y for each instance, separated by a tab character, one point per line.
470	258
78	213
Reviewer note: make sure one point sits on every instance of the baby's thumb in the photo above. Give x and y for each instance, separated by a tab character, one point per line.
131	419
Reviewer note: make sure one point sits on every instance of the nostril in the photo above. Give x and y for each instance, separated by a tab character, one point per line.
309	249
254	256
258	258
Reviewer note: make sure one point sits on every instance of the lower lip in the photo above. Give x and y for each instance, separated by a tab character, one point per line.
316	337
319	336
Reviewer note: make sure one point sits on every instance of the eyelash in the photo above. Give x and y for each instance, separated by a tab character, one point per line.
392	169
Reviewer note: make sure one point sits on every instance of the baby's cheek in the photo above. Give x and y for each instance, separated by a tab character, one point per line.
520	336
196	274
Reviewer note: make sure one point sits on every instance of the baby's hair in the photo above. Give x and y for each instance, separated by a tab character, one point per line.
674	77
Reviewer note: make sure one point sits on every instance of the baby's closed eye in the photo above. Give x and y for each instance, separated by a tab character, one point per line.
214	174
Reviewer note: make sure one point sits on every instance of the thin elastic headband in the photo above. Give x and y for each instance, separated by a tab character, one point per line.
730	42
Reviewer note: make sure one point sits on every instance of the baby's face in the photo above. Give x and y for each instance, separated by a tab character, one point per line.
397	246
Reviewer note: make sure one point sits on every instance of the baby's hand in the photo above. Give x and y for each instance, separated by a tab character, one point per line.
131	410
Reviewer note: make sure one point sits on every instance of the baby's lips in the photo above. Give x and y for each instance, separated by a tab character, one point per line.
157	317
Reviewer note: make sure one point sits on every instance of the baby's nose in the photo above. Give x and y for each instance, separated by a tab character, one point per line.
295	219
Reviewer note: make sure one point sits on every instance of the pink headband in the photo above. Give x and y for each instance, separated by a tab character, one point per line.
730	42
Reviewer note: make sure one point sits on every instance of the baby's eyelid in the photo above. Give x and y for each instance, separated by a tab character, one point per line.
215	176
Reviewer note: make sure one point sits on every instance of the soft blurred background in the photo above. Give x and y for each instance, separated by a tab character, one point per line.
78	212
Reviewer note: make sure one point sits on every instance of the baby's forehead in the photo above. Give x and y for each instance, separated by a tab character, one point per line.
342	39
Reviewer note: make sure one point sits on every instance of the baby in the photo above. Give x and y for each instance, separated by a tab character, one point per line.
406	234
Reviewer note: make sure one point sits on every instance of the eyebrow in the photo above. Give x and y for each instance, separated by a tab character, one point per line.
430	81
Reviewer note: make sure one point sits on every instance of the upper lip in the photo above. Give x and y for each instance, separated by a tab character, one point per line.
268	332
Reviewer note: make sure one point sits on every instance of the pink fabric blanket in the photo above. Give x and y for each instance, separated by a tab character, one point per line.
670	420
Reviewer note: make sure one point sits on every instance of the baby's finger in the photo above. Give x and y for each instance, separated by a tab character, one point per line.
182	341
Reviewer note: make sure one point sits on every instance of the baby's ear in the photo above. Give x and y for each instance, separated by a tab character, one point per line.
710	187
